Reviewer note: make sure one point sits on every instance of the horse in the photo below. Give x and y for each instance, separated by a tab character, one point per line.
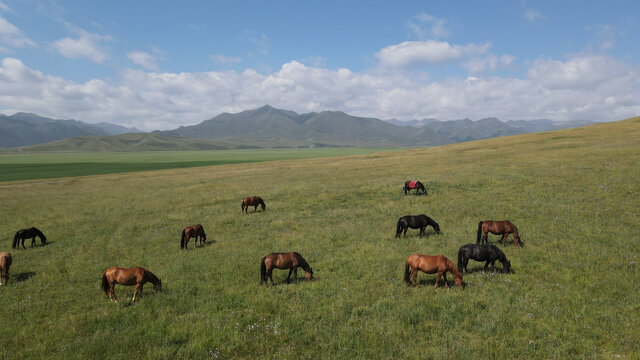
26	234
192	232
487	252
251	201
284	261
414	184
128	277
430	264
416	222
5	263
504	228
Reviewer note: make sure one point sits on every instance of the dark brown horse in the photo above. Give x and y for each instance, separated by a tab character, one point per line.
284	261
504	228
128	277
5	263
30	233
414	184
430	264
192	232
251	201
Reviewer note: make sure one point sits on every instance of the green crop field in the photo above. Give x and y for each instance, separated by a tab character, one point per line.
54	165
573	194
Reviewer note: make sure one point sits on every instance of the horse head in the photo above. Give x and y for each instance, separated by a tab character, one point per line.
507	266
158	286
436	227
308	274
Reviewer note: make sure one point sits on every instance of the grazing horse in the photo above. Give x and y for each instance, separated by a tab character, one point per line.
128	277
504	228
192	232
416	222
414	184
430	264
284	261
26	234
5	263
487	252
251	201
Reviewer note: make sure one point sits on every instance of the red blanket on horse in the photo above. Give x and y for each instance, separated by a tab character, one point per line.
412	184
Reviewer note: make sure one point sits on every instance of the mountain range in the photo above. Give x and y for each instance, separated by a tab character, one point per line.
262	127
24	129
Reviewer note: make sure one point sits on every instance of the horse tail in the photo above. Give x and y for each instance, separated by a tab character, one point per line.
399	228
263	270
407	273
105	283
182	239
15	240
479	232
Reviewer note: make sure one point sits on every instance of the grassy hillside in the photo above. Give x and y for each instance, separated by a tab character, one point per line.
572	193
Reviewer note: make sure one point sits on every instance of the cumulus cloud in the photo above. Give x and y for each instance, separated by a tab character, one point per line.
487	64
582	87
143	59
86	45
431	52
12	36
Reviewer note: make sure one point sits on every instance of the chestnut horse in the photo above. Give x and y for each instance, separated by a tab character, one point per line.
5	263
30	233
251	201
414	184
504	228
192	232
284	261
430	264
128	277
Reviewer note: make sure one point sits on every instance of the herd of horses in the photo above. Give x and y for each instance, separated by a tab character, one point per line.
429	264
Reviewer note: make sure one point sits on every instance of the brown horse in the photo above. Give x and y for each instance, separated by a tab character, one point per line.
251	201
284	261
5	263
128	277
504	228
430	264
192	232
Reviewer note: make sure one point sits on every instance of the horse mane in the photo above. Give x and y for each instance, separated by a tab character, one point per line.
302	262
151	276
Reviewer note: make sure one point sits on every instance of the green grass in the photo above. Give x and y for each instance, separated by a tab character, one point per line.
574	293
54	165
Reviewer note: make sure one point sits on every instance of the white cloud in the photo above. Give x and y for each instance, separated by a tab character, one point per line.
425	26
225	60
534	16
581	87
86	45
487	64
416	53
143	59
12	36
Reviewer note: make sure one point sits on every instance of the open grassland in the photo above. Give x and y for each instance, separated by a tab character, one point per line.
574	195
55	165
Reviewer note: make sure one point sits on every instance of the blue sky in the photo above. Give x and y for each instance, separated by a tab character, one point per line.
162	64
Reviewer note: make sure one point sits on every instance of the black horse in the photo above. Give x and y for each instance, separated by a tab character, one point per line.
416	222
414	184
26	234
487	252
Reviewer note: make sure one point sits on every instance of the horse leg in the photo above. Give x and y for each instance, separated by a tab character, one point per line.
270	275
486	265
444	276
485	239
289	276
405	231
295	275
504	237
135	292
33	241
493	265
112	293
422	231
438	279
23	245
414	274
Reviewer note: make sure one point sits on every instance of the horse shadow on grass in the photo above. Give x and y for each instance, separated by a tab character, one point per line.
481	269
24	276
